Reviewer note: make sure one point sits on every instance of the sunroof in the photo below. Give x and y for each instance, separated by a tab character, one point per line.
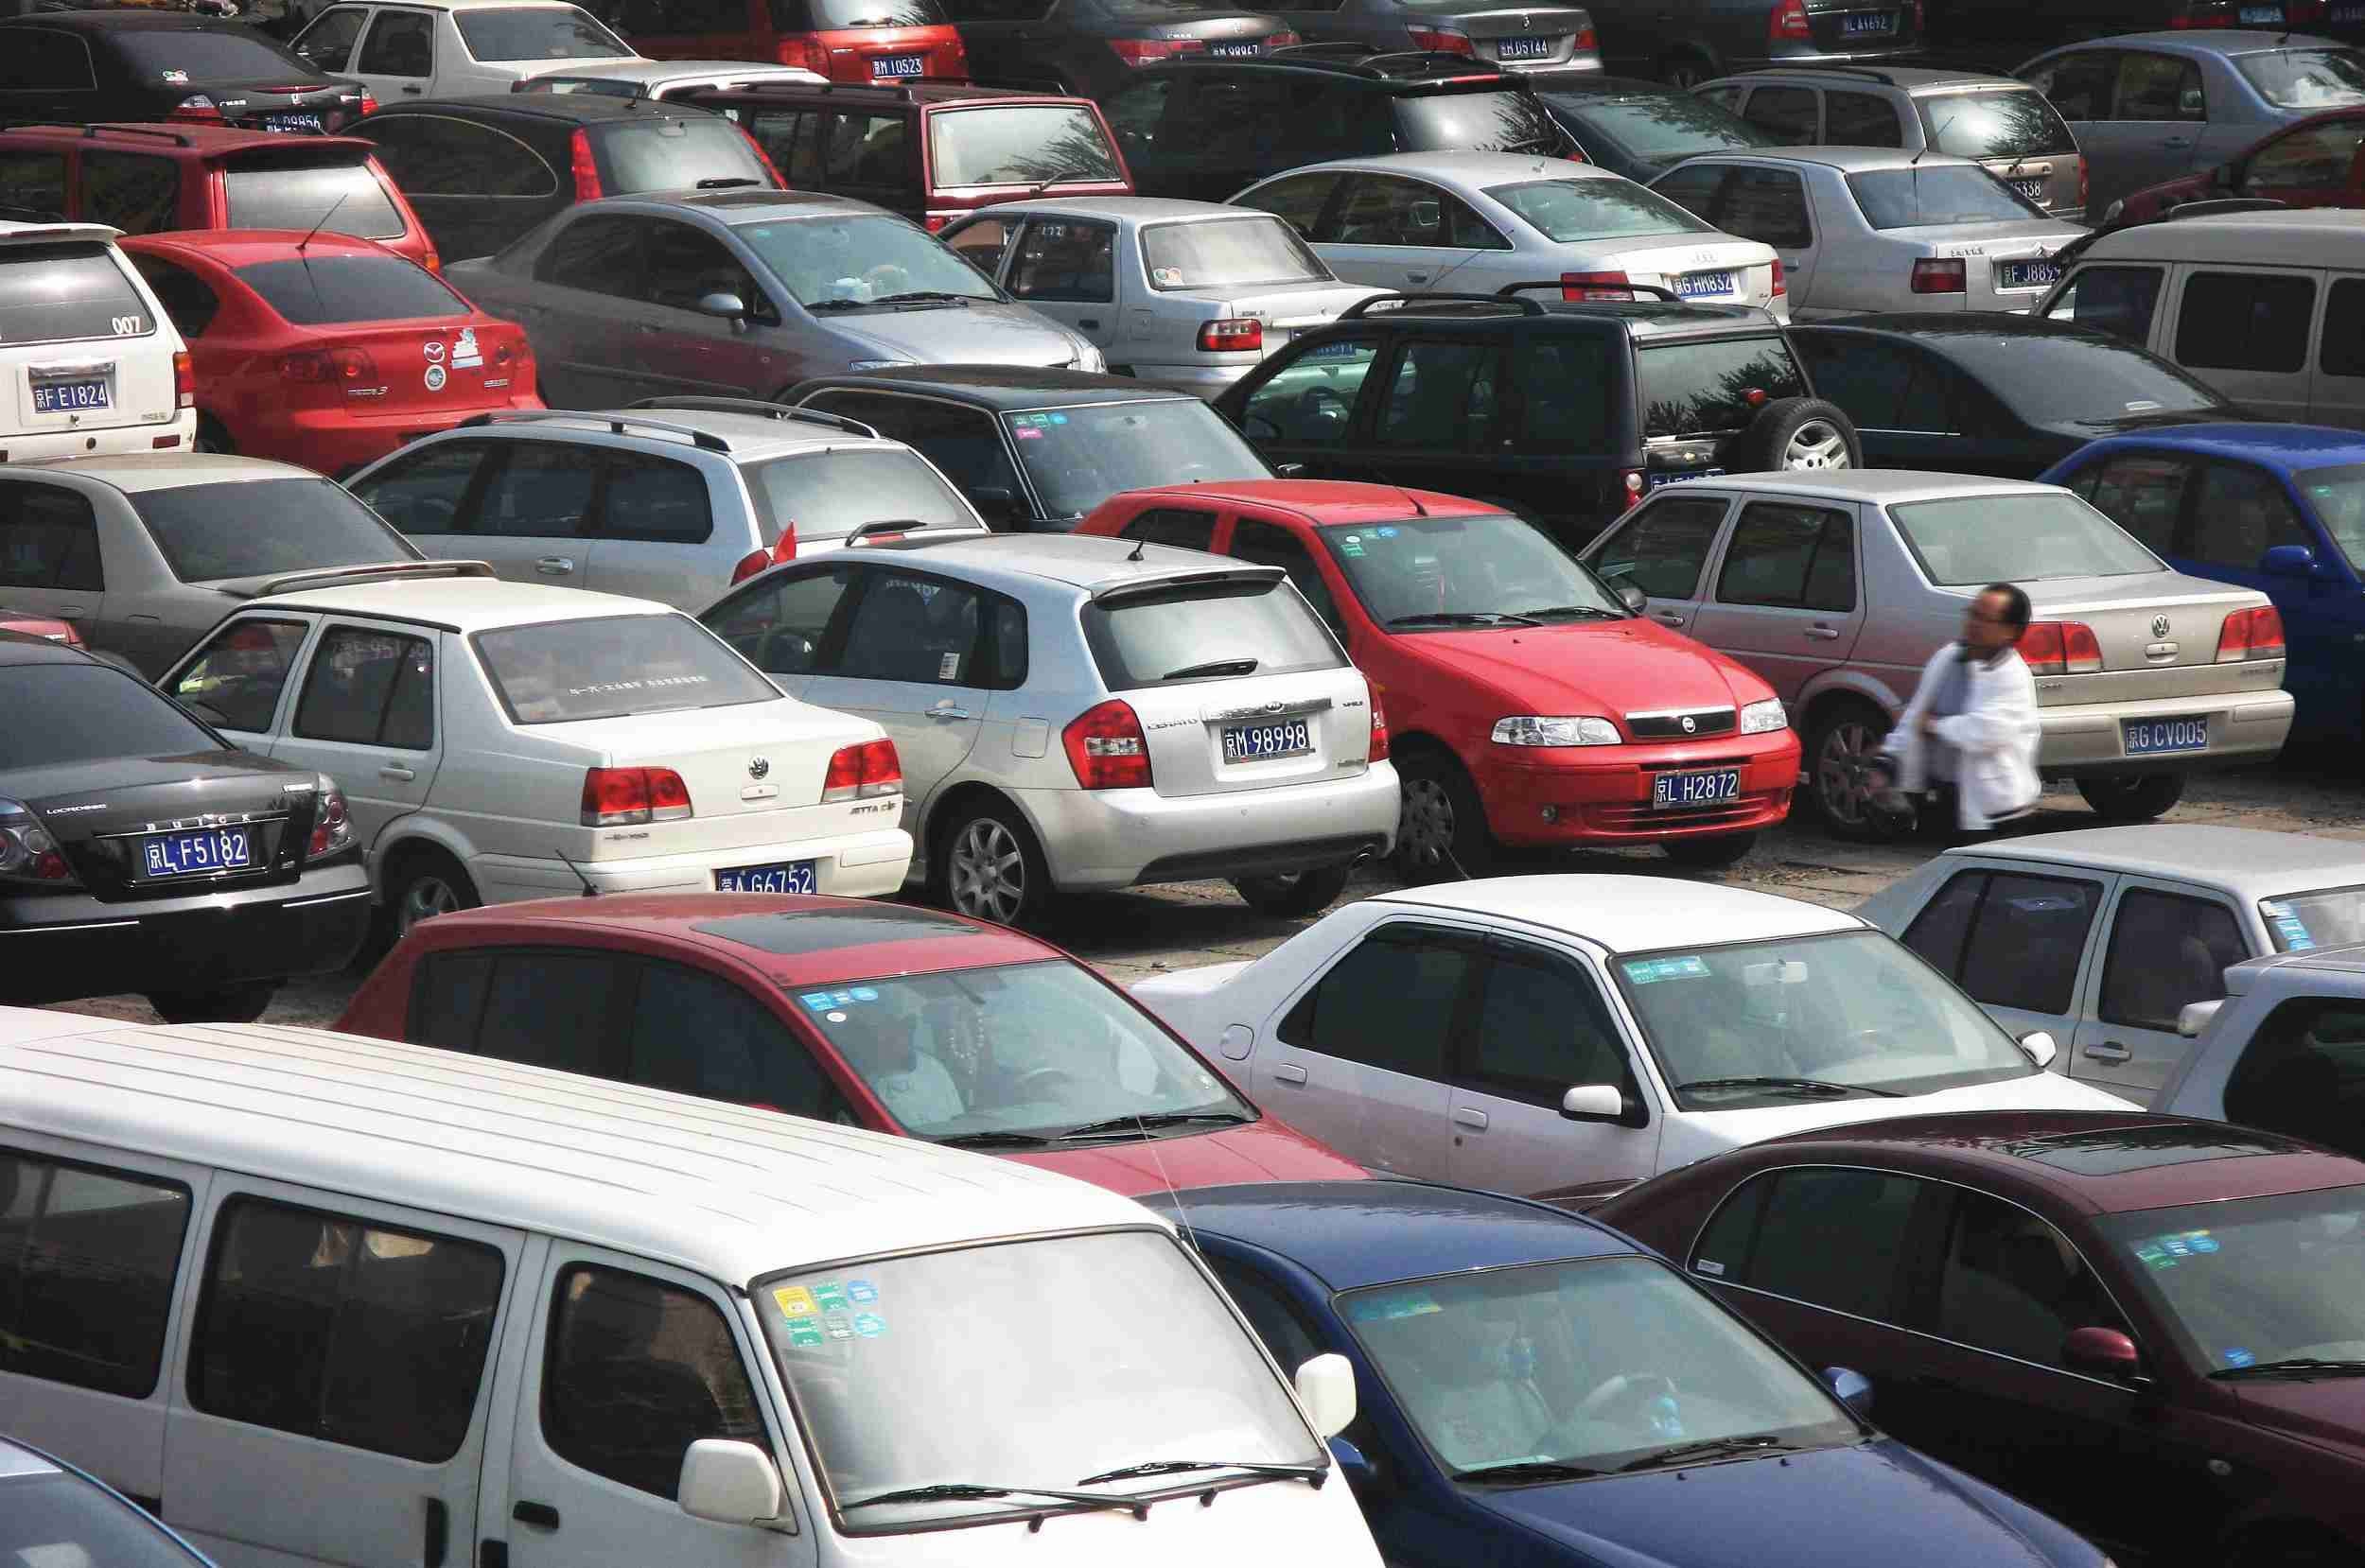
820	930
2115	1150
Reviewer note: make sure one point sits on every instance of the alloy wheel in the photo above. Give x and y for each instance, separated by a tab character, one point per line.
1425	826
426	897
988	871
1817	443
1843	768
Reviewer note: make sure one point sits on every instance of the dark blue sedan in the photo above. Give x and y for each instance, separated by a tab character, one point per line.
1535	1389
2279	508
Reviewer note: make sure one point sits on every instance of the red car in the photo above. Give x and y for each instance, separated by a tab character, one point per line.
146	179
38	626
2149	1327
2318	162
1528	703
876	1014
325	350
843	40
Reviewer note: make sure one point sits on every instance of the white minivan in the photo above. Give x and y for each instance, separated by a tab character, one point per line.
313	1299
90	364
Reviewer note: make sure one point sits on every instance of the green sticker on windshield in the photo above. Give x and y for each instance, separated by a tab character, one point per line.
1645	971
830	1295
1351	545
1398	1303
805	1332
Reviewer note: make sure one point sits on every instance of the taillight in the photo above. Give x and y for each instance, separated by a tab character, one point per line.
765	159
1107	748
1940	275
621	797
1789	23
1141	51
2060	648
1379	730
350	367
332	825
1442	41
197	106
1285	39
1634	485
2251	634
28	853
938	220
1779	286
184	380
861	772
1596	285
368	104
1231	335
1587	41
804	53
587	169
782	552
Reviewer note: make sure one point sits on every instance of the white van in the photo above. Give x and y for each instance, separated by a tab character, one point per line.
314	1298
89	361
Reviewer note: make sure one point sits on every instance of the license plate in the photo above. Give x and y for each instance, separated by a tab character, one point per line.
1709	787
58	397
194	850
1654	480
1697	286
2030	190
2150	737
293	122
1525	48
2027	274
2262	16
2348	13
780	876
1235	51
1256	742
900	65
1865	24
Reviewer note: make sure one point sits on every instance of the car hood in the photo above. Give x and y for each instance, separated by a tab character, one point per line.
989	334
1602	666
2326	1413
1697	1134
1268	1150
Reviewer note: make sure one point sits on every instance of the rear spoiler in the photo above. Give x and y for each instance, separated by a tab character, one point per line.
377	573
1513	290
907	531
1139	587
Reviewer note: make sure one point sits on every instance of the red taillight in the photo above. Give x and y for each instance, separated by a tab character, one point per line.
2060	648
1231	335
587	169
938	220
1141	51
860	773
1588	42
1936	275
807	54
750	564
1596	285
1789	23
765	159
1779	286
1379	730
184	380
1107	748
330	827
1442	41
197	107
1634	486
2251	634
368	104
350	367
1285	39
621	797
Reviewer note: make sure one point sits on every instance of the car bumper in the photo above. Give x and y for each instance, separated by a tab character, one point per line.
1118	838
859	865
331	441
2245	726
56	947
1602	794
115	441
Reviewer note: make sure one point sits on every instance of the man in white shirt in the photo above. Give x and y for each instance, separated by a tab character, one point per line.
1973	722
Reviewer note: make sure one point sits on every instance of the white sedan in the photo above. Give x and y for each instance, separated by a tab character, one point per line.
1477	223
1864	229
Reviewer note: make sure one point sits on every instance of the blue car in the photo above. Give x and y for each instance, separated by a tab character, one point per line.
55	1516
1534	1390
2279	508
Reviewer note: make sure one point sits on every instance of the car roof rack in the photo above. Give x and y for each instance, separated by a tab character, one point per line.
758	409
1866	72
1397	303
617	423
375	572
1512	290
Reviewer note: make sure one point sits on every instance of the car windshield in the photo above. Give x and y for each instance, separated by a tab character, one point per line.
1593	1362
1946	193
676	154
557	671
2321	917
827	495
1852	1013
537	32
1572	211
1228	252
1441	571
1249	628
2307	78
60	714
330	290
335	190
52	1520
1660	129
1498	121
2082	378
1713	384
66	292
2243	1282
2337	498
1034	1363
842	263
2016	124
2022	538
180	59
1079	457
1048	144
265	528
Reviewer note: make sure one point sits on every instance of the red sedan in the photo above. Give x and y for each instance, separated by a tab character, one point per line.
326	350
1528	705
2318	162
876	1014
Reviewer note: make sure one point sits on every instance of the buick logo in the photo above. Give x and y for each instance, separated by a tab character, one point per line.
1690	723
758	767
2159	626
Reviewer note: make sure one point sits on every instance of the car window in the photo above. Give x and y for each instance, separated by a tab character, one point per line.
1430	571
682	266
1989	124
1712	384
2011	1284
698	1033
1297	200
69	292
1236	253
1020	144
48	539
2167	950
1167	525
2241	513
88	1256
847	258
440	155
2157	87
337	191
1785	113
1062	260
1946	193
2315	157
422	494
873	150
337	290
1861	119
136	192
543	1007
2019	538
1767	205
370	688
607	667
1662	548
1442	122
1442	394
1081	455
32	179
400	43
1791	557
1143	639
1270	545
1390	1002
537	33
782	625
264	527
2143	492
960	441
1696	188
981	242
1383	210
2244	320
655	499
1775	1234
2302	1073
1542	1029
39	57
1137	113
189	300
597	253
542	490
915	629
792	138
79	713
1277	1324
328	44
827	494
2306	79
1311	398
1571	212
2010	940
1561	389
1877	384
2343	350
235	680
2077	84
2117	300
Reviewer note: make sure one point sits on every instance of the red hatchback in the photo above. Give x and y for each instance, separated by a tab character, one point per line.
1528	703
324	350
2318	162
876	1014
882	41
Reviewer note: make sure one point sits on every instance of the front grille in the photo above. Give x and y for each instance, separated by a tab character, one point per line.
1670	723
1639	818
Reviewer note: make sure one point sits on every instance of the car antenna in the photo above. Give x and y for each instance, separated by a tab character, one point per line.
590	890
1413	501
1139	544
324	222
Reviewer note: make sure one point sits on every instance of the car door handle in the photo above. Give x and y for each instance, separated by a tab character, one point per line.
397	773
2176	141
1823	634
1288	1075
414	92
1470	1116
2109	1051
1416	277
541	1515
554	566
1667	617
438	1533
948	711
1091	321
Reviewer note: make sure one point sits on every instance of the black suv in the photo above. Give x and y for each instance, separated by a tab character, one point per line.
1565	414
1203	130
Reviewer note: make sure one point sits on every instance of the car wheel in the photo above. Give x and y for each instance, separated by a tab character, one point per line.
988	866
1712	853
1440	825
230	1004
2136	798
1684	71
211	437
1294	895
1842	746
1795	434
423	885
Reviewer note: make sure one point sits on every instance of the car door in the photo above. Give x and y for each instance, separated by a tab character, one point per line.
2159	111
2310	165
589	279
668	344
328	44
365	715
50	562
790	624
2246	331
1311	408
1396	233
1066	268
2238	514
397	57
529	518
2020	942
2168	945
237	679
2337	391
1896	395
2080	84
1436	413
427	492
1787	601
1663	549
652	530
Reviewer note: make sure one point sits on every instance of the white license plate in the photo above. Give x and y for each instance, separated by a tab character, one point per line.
900	65
310	123
2262	16
2154	737
1652	481
58	397
1865	24
780	876
1235	51
2027	274
1256	742
1525	48
1699	286
187	853
1706	787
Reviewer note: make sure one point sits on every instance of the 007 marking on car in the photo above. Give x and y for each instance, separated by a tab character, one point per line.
1708	787
780	876
198	850
2151	737
1257	743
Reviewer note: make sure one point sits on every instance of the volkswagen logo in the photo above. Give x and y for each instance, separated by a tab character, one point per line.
758	767
2159	626
1690	723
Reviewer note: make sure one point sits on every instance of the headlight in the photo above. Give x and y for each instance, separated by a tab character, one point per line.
1088	357
332	825
880	364
1758	718
1555	732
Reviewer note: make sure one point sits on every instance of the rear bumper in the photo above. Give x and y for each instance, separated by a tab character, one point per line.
857	866
116	440
1600	798
330	440
1118	838
2244	726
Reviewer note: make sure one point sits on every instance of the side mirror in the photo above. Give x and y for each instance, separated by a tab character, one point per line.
1633	598
2288	561
1851	1387
1354	1464
2194	1016
2103	1353
1594	1103
1326	1387
730	1482
2040	1046
729	306
999	502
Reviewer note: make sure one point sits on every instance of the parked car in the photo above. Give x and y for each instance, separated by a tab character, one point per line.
2153	106
1079	715
53	1510
1525	1383
1482	221
1034	450
1839	587
842	39
324	350
2318	162
1562	413
149	178
510	741
81	67
2005	126
1989	392
1994	33
140	851
669	1259
2232	299
91	361
1203	129
452	48
2027	1291
1521	35
482	171
1092	46
2279	508
662	80
675	500
1528	705
1695	42
1642	129
2279	1050
865	1014
41	628
141	554
1565	1037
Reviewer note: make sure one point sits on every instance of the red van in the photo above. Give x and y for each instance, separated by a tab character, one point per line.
854	41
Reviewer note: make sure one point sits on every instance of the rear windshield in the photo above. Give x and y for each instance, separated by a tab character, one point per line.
538	32
681	154
335	191
1572	211
1995	125
871	13
1475	122
2307	78
2069	379
1080	455
2016	539
827	495
1051	144
606	668
1227	253
1247	628
59	293
265	528
1691	387
1661	128
1952	193
81	712
182	59
326	290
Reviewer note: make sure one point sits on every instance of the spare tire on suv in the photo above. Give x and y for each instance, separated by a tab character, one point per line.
1795	433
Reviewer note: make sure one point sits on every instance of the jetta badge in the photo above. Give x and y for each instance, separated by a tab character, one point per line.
2159	626
758	767
1690	723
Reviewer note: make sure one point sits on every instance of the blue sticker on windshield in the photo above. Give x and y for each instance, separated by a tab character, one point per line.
1058	418
1398	1303
820	1002
863	993
861	1292
1334	351
2236	1356
1385	532
1645	971
870	1324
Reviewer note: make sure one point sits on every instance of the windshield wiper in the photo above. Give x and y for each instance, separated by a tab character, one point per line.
1464	618
837	304
1584	612
1792	1086
1513	1471
995	1141
1316	1473
2299	1367
923	296
726	181
957	1492
1707	1448
1154	1119
1213	666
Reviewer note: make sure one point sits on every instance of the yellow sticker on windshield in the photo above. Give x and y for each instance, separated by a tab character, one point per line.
795	1301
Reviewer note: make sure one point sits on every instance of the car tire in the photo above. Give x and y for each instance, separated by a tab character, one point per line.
1713	852
1795	434
211	437
1293	895
988	866
229	1005
1441	824
2137	798
1684	70
1841	743
421	884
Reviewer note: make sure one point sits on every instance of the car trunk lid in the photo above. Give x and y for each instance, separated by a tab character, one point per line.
1854	25
297	107
105	814
1726	272
2157	633
1525	36
2005	266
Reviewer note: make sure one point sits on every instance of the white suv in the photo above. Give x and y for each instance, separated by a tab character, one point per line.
92	362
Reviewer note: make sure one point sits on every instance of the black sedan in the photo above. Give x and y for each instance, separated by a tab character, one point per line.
1992	393
140	851
133	64
1642	129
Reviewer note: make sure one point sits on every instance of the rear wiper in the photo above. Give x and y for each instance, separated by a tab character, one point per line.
925	296
1707	1448
956	1491
1464	618
1213	666
993	1140
2299	1367
1794	1086
726	181
1156	1119
1315	1473
1514	1470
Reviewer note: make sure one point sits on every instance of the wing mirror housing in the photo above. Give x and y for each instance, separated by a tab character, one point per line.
1633	598
730	1483
1851	1387
1325	1387
2104	1353
2040	1046
1362	1475
2194	1016
2288	561
1603	1103
730	308
1000	505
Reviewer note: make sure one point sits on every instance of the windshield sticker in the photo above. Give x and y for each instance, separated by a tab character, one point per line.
839	1325
830	1295
1028	432
835	1018
2144	406
2153	1256
1646	972
795	1301
1166	277
2236	1356
861	1292
1709	1266
870	1324
1401	1303
1334	351
1385	532
2288	925
948	666
1057	419
176	79
863	993
805	1334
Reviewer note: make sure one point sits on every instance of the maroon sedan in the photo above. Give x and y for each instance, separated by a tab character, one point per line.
2318	162
2150	1327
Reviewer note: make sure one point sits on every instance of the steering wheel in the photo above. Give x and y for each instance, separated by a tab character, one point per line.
1025	1087
1323	402
1623	1389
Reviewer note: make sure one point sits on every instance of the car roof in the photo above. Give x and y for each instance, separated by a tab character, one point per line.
1328	500
1137	209
136	473
14	233
558	108
1012	386
2294	238
244	247
2345	961
2290	447
661	71
1846	160
1474	168
1888	486
725	1190
1910	78
20	650
925	95
1080	560
1350	1234
744	437
1630	914
205	141
2213	41
730	206
461	604
2249	862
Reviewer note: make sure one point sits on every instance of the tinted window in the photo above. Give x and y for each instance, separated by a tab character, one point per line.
1879	385
401	44
1790	1252
599	253
260	528
2157	87
2143	492
187	299
1946	193
1694	188
228	54
421	494
48	539
981	242
1231	253
2244	320
235	684
343	1329
2303	1073
1690	388
58	293
1542	1029
913	629
1660	126
1994	124
1080	455
1442	394
2059	379
2009	1283
1163	525
655	499
1141	640
562	670
1055	144
636	1371
1767	205
2242	513
2117	300
78	713
1860	120
2016	539
2314	157
1312	397
341	194
1662	549
1061	260
962	441
2079	84
133	191
1389	1003
1270	545
1297	201
1785	113
370	688
675	155
328	41
1569	211
697	1033
2306	79
334	290
1473	122
434	155
1791	557
36	58
544	1009
782	625
1562	388
829	493
2010	940
537	33
542	490
87	1261
32	179
2167	953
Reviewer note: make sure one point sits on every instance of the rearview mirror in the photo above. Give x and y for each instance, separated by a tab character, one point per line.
1326	1387
729	306
1851	1387
2194	1016
2040	1046
1633	598
2102	1353
730	1482
2288	561
1594	1103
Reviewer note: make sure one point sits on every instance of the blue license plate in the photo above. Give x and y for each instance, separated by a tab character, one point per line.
780	876
2347	14
1256	742
2262	16
1525	48
1652	481
1708	787
1235	51
1696	286
2027	274
309	124
196	850
1867	24
2151	737
58	397
900	65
